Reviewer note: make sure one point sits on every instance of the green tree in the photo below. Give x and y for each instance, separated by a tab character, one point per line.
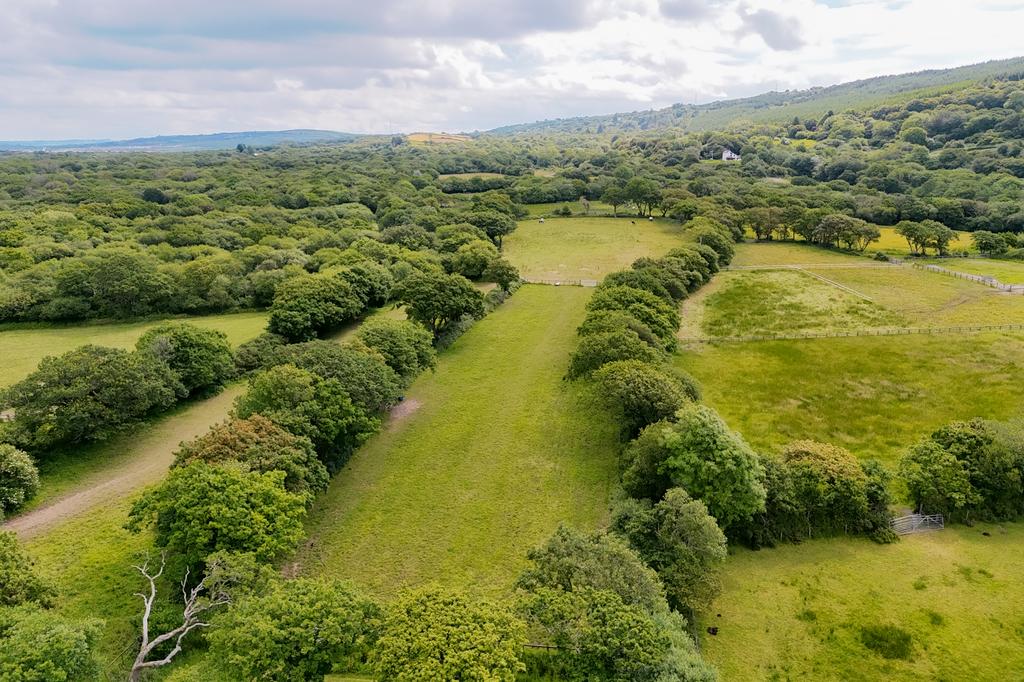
299	630
200	358
263	446
19	582
363	373
41	646
639	393
615	196
681	542
471	260
502	273
643	193
989	243
19	478
312	304
430	634
406	347
597	350
200	509
938	483
86	394
436	300
658	314
571	560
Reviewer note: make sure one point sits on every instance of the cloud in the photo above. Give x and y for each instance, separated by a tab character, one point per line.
125	68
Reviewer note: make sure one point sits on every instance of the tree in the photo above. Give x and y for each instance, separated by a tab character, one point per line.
430	634
701	455
194	615
495	224
405	346
19	479
436	300
472	259
681	542
615	196
371	282
200	509
308	305
640	394
260	445
989	243
658	314
364	374
597	636
595	350
916	235
938	483
307	405
571	560
713	234
938	236
601	321
86	394
40	646
19	583
297	631
200	358
829	485
502	273
643	193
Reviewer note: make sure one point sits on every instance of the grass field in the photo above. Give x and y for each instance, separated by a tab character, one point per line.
499	451
436	138
891	242
23	347
586	248
791	253
1006	271
796	612
597	208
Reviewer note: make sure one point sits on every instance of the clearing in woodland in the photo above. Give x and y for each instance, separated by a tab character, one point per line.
498	453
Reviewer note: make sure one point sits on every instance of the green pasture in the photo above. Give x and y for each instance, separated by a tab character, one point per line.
1006	271
872	395
790	253
890	242
587	248
23	347
495	450
797	612
597	208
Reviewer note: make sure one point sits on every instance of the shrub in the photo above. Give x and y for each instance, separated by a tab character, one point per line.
19	479
366	378
597	350
640	394
714	235
299	630
200	509
86	394
309	305
888	641
260	445
405	346
617	320
571	560
638	279
681	542
656	313
830	486
38	645
200	358
434	635
258	353
18	581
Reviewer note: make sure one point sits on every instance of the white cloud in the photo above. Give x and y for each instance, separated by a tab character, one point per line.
123	68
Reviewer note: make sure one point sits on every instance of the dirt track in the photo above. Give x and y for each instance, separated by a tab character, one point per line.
152	449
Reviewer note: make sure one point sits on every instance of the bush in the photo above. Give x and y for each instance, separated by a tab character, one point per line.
260	445
86	394
639	279
18	581
640	394
366	378
571	560
200	509
37	645
681	542
200	358
307	405
596	350
258	353
658	314
299	630
888	641
433	635
405	346
309	305
19	479
617	320
701	455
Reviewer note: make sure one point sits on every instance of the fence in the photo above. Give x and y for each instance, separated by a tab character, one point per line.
917	523
900	331
980	279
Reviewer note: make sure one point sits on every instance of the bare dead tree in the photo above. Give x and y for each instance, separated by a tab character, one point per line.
196	605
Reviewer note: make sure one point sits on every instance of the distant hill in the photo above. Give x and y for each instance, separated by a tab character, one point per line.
178	143
779	107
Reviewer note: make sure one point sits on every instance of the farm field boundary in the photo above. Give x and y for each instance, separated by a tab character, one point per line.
962	329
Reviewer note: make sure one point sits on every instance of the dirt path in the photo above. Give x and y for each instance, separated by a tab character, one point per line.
150	451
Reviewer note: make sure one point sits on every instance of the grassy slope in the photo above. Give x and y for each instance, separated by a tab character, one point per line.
500	451
23	348
795	612
586	248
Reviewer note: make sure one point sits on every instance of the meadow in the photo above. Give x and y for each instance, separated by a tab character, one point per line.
1006	271
800	611
490	453
586	248
22	347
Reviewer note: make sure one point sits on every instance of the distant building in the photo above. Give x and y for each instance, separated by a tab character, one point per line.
729	155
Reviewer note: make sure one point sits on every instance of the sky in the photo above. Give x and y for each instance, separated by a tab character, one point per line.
76	69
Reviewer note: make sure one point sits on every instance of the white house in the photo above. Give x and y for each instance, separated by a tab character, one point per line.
729	155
